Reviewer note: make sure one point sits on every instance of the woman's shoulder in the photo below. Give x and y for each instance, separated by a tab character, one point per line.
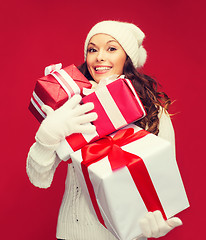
166	129
163	113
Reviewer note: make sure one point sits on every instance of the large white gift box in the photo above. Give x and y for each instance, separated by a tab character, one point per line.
127	174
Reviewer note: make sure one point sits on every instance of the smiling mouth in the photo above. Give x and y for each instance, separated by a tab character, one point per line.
102	69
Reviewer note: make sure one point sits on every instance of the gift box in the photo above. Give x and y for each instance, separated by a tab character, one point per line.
127	174
116	104
56	88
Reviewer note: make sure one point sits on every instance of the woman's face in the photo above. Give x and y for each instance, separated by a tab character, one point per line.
105	57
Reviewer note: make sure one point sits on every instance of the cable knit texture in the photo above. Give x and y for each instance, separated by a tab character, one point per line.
75	222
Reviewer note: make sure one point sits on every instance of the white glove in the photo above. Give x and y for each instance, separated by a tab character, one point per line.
153	224
69	118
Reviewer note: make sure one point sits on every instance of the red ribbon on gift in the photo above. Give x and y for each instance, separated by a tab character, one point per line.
119	158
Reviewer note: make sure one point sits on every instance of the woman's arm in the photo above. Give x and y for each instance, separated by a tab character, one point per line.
42	160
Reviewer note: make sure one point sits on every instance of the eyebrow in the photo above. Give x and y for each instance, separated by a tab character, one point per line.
112	40
92	43
106	43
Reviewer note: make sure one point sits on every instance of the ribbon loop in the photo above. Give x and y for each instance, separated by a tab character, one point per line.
93	152
51	68
121	137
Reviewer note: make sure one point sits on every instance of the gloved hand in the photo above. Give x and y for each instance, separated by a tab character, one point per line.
153	224
69	118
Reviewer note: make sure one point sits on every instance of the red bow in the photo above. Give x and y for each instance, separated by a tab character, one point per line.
111	147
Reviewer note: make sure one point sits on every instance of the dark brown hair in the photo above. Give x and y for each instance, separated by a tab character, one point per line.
146	88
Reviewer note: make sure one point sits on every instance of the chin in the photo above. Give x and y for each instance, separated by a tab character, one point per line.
98	79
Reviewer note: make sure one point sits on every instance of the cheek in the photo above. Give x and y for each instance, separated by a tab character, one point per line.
89	63
120	64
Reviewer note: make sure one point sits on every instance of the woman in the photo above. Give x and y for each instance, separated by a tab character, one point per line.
112	48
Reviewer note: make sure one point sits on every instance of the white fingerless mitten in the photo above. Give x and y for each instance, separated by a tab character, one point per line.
153	224
69	118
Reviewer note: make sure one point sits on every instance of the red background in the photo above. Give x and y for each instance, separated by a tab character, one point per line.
37	33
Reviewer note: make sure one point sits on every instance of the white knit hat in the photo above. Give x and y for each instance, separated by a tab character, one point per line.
128	35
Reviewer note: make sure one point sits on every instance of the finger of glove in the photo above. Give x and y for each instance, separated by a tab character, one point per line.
81	109
47	109
86	118
72	102
145	227
174	222
154	228
163	227
85	129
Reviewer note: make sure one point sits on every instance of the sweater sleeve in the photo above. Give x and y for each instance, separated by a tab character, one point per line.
42	162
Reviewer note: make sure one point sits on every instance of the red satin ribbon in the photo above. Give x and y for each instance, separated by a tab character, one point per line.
76	141
118	158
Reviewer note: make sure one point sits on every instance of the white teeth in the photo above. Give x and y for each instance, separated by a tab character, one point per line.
102	68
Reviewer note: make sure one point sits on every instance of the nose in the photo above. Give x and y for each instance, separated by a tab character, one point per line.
101	56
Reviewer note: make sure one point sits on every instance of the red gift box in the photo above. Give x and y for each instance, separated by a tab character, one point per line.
56	88
116	104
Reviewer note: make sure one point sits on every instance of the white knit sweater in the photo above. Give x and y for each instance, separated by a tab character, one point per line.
75	222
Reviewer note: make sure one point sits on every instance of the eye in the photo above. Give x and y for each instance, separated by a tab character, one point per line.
111	49
91	50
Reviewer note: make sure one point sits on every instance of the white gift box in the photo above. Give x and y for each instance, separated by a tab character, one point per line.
119	200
